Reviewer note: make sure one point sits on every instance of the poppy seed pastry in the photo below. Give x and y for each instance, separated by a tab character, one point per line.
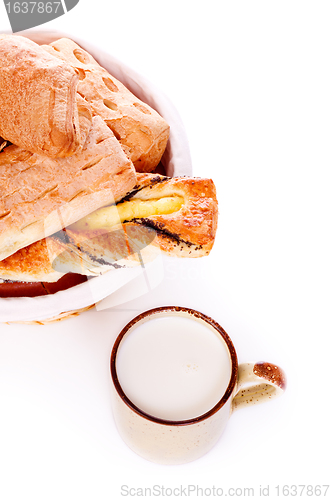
41	195
177	216
40	110
142	132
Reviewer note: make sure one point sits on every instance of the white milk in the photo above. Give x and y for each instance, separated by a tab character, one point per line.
173	367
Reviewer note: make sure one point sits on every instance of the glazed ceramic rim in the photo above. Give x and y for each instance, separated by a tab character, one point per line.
173	310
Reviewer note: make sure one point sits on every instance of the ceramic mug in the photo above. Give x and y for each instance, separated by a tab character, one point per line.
158	433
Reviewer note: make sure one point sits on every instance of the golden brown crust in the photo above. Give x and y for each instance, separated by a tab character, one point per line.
38	100
189	232
40	195
31	263
142	132
193	227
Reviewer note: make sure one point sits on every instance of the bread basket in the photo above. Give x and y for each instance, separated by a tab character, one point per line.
176	161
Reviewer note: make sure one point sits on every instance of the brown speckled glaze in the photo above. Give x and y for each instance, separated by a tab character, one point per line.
270	372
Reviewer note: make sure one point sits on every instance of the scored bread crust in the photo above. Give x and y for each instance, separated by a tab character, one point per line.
142	132
40	195
39	107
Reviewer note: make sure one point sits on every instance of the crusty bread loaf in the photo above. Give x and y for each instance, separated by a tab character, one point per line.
142	132
187	232
40	195
40	109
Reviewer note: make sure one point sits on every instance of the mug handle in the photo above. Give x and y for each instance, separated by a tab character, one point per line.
258	383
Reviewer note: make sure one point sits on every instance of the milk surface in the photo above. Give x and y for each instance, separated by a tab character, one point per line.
173	367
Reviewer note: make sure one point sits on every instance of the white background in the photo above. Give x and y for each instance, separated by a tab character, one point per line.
252	83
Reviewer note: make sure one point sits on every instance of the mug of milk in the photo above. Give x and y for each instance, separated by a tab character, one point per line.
176	381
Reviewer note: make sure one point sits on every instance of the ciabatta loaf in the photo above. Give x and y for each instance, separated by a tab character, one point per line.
40	109
142	132
40	195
